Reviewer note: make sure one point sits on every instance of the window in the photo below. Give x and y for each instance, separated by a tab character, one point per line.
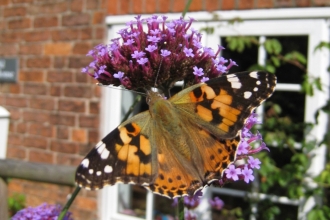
301	29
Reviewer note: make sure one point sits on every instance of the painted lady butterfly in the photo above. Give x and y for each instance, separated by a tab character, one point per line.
180	144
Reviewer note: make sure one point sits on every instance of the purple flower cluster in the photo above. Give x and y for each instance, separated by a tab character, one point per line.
42	212
171	49
244	152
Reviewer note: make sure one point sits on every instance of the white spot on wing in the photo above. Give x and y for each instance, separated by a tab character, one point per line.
254	74
105	154
85	163
98	173
255	89
258	82
234	81
247	94
90	171
108	169
100	147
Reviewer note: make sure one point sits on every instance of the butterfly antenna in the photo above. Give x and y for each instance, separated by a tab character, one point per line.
120	88
161	61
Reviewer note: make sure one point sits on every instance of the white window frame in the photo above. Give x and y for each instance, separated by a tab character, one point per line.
307	21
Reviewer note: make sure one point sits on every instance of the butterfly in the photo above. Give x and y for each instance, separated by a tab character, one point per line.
181	144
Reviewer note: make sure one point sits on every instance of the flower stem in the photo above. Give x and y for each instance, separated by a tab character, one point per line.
68	204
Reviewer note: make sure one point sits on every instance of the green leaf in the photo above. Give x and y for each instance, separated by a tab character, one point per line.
321	45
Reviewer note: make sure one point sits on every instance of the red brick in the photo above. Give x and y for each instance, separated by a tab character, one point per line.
303	3
93	136
79	62
88	203
99	33
41	156
16	152
77	5
62	119
37	35
14	88
34	116
89	121
4	2
38	62
22	1
98	17
35	88
321	2
45	21
79	135
196	5
31	76
71	105
211	5
30	49
125	7
14	11
60	62
137	6
41	130
19	23
59	76
55	91
284	3
228	5
92	4
83	78
65	34
35	142
64	147
246	4
78	91
42	103
10	37
81	48
67	159
112	7
76	19
265	4
94	107
178	6
14	139
86	33
16	101
9	50
49	7
15	113
164	6
21	128
62	132
58	49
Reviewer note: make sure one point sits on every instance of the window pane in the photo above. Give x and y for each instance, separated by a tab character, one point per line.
288	73
244	59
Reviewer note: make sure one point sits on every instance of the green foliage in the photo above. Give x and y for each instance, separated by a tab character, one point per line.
322	213
16	202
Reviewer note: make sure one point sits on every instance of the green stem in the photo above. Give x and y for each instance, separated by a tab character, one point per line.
186	8
130	110
68	204
181	209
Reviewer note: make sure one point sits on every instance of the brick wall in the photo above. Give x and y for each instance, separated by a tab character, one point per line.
54	108
119	7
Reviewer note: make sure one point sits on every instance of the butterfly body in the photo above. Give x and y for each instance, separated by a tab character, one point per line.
180	144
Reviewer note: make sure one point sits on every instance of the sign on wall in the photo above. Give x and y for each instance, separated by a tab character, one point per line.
8	69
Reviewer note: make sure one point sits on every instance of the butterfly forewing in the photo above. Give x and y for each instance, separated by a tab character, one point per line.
180	157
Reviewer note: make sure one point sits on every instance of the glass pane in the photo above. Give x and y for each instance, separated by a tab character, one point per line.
232	206
243	59
288	73
132	200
